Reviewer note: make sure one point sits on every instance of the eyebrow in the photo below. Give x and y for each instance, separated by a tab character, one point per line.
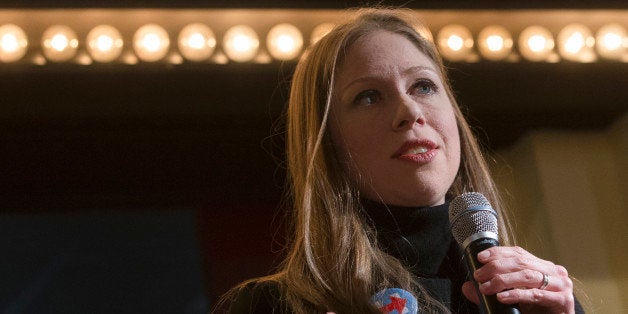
414	69
419	68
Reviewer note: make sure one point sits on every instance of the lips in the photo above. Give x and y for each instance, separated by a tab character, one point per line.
419	151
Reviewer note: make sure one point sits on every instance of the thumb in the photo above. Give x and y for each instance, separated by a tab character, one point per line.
468	289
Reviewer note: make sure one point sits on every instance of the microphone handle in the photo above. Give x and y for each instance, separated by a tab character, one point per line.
488	303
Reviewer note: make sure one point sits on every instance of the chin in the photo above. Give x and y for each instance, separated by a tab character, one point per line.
415	201
427	198
408	193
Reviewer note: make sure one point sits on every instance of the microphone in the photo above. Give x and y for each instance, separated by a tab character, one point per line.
395	300
474	226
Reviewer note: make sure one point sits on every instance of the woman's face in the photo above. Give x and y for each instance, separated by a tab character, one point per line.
392	122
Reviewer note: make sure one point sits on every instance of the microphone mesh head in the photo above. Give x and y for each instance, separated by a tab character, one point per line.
471	213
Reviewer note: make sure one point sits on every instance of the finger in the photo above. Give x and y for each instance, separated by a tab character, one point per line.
468	290
494	267
526	278
507	252
556	276
557	302
511	265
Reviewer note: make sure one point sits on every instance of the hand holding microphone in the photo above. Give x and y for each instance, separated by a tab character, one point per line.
504	277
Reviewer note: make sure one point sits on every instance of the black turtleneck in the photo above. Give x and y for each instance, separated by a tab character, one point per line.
420	237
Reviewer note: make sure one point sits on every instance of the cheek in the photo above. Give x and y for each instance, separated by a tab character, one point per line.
453	134
362	138
447	127
453	143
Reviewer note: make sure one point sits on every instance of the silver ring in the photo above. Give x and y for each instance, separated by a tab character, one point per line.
545	282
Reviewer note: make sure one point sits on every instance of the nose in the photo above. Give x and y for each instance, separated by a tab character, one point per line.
407	113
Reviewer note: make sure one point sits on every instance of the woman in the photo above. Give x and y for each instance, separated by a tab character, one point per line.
376	148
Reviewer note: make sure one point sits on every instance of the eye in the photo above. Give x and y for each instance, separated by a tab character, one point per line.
424	87
367	97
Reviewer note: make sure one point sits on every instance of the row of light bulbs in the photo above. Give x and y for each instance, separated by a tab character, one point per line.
197	43
151	43
575	42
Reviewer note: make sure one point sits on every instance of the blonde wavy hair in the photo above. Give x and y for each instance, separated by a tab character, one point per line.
334	262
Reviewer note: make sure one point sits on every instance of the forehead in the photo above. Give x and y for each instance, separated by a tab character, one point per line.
381	52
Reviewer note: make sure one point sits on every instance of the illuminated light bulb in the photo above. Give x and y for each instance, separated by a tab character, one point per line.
59	43
151	43
263	58
284	41
536	43
575	43
129	58
175	58
455	42
320	31
196	42
83	59
610	41
38	59
13	43
220	58
241	43
495	42
104	43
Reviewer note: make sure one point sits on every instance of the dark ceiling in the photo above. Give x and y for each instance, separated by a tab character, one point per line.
116	136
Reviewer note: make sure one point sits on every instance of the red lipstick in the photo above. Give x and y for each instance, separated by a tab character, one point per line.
417	151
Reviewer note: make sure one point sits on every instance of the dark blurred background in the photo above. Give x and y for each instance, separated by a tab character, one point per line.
154	188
